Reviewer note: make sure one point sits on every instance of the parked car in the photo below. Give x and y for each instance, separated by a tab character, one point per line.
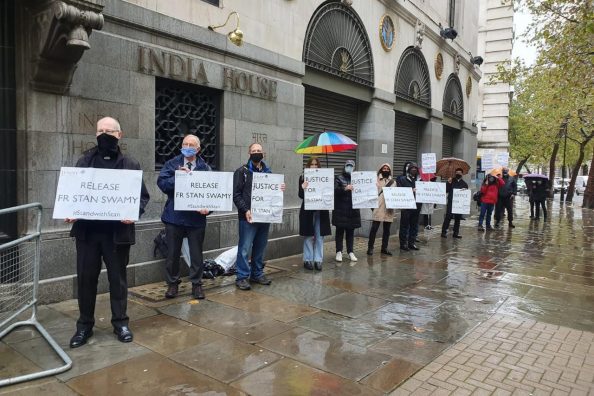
522	186
559	185
580	184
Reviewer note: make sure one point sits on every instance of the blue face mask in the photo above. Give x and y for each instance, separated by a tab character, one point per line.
348	169
189	151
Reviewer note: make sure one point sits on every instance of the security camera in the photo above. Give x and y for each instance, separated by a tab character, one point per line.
448	33
477	60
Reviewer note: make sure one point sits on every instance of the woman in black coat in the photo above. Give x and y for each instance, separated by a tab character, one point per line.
313	225
344	217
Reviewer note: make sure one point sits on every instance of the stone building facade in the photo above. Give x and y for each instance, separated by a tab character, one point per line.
376	70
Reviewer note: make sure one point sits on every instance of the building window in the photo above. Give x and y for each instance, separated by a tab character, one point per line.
213	2
452	13
182	109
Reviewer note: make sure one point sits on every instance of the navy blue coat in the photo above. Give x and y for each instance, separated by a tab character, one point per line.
166	183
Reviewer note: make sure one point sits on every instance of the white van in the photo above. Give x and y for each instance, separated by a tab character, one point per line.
580	184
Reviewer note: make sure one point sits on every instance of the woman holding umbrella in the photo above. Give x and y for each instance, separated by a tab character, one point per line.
538	187
313	225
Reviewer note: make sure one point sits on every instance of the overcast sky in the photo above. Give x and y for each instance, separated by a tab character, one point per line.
522	50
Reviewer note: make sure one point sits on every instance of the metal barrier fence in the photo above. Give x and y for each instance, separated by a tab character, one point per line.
19	281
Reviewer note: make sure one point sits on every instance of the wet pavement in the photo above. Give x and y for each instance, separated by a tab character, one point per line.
502	312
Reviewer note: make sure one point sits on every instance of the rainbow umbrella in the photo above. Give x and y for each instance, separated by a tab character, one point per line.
324	143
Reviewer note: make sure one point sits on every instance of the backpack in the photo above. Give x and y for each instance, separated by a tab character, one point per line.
477	197
161	244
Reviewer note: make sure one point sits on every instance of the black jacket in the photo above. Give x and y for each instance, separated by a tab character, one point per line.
510	188
306	223
538	192
123	234
344	215
242	187
450	187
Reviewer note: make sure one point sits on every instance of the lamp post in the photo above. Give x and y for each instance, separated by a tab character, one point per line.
563	170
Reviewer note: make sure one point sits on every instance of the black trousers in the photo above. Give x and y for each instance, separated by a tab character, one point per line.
99	245
426	220
446	223
531	207
350	238
502	205
175	237
538	205
409	226
385	236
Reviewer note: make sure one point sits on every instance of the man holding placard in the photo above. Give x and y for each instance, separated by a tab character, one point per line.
109	240
180	224
409	218
453	184
252	235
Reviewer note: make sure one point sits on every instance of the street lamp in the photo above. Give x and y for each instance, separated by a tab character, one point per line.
563	170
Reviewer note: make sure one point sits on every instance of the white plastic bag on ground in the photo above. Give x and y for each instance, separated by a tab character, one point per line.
227	258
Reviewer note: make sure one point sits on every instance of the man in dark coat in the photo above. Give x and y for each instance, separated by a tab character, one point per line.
409	218
539	193
453	184
344	217
107	240
180	224
505	202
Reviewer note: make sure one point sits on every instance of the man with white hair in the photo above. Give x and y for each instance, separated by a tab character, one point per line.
183	224
105	240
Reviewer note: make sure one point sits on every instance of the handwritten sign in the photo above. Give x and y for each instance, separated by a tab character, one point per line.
319	194
203	190
503	159
399	198
98	194
267	198
429	192
364	190
461	201
428	163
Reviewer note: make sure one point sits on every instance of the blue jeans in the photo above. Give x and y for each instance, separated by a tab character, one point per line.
313	246
488	210
254	237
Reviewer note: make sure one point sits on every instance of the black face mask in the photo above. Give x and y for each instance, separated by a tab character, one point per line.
256	157
107	144
458	177
491	180
385	174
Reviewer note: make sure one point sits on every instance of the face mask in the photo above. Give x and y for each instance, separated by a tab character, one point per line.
107	144
491	180
348	169
385	174
458	177
189	152
256	157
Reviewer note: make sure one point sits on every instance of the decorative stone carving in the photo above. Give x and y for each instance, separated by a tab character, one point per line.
420	34
59	35
438	65
468	86
456	64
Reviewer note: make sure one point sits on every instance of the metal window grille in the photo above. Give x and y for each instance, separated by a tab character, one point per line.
453	102
412	78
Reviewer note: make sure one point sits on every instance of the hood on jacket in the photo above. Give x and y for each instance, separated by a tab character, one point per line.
348	162
409	165
379	170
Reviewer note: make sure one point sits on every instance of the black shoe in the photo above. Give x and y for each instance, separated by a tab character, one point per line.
308	265
458	236
489	228
370	252
481	228
511	225
496	226
386	252
243	284
404	247
537	218
124	334
412	246
172	291
444	235
80	338
417	240
532	217
197	292
263	280
317	265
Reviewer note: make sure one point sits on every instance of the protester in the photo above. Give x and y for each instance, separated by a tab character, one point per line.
107	240
313	225
409	218
382	214
252	236
183	224
529	188
540	191
453	184
489	196
427	210
505	202
344	217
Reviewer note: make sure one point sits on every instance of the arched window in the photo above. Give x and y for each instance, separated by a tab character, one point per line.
453	103
412	78
336	43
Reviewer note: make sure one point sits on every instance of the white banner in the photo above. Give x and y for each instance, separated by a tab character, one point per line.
203	190
431	192
461	201
319	194
487	162
267	198
364	190
503	159
98	194
428	163
399	198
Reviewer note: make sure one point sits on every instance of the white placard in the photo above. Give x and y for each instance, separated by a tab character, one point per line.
319	194
503	159
98	194
267	198
364	190
487	162
431	192
399	198
203	190
428	163
461	201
